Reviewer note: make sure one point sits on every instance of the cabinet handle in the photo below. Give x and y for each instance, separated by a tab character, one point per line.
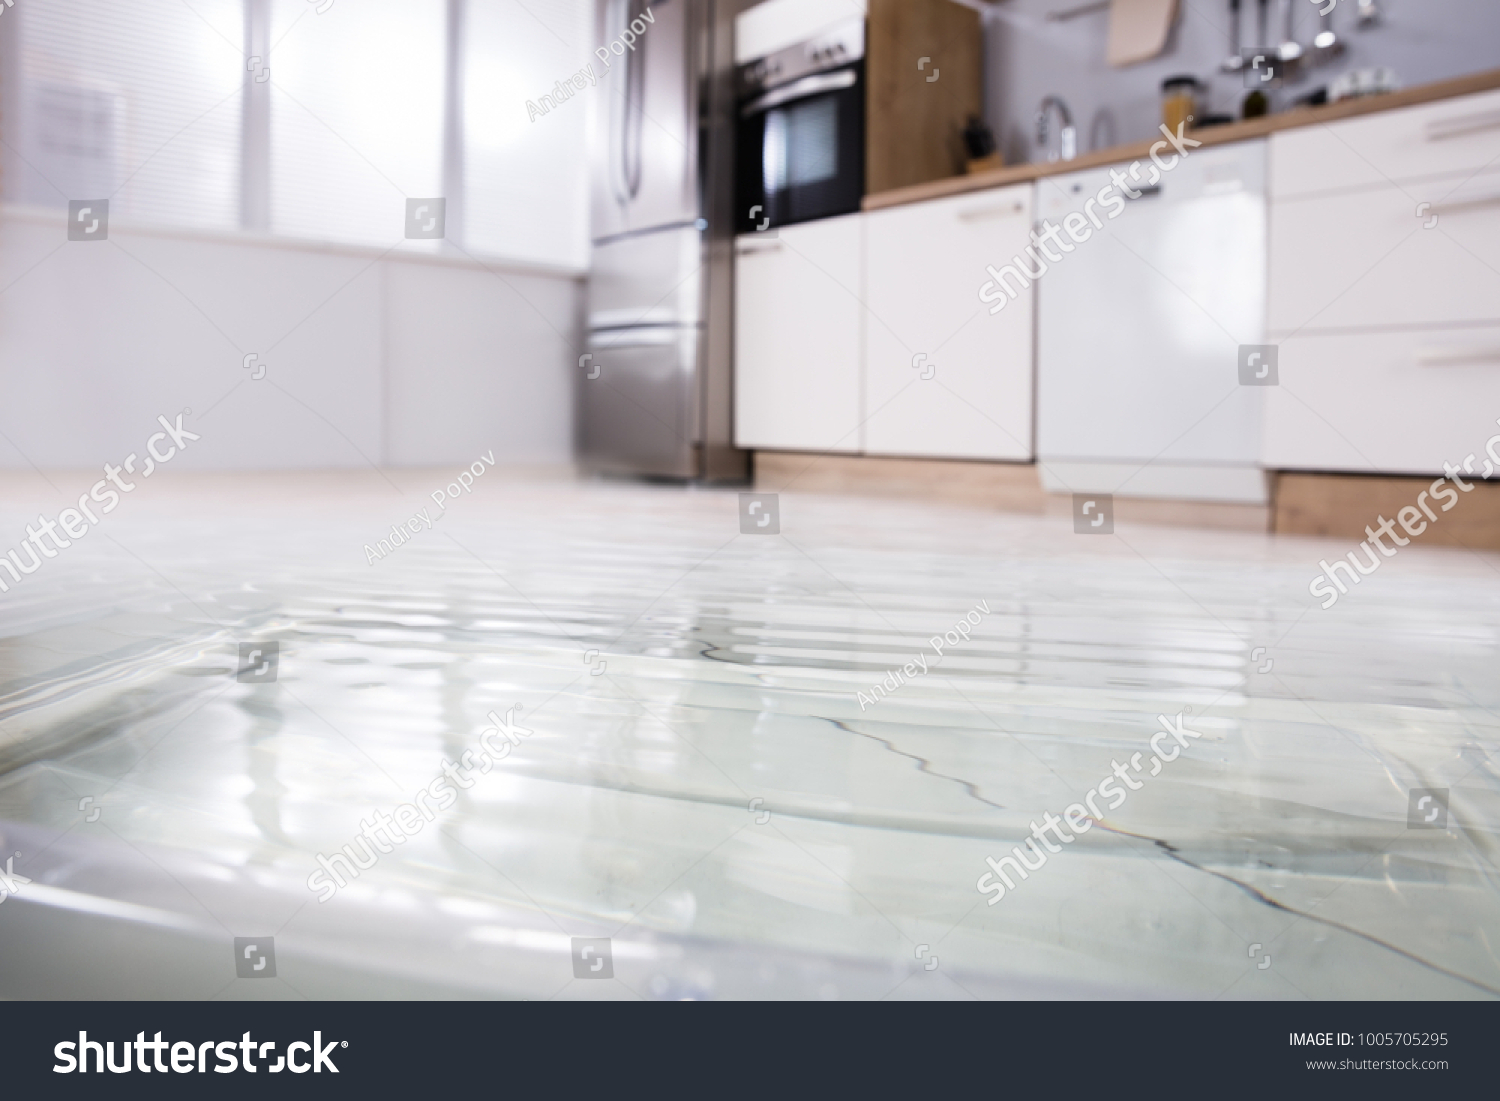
1466	204
1454	357
974	214
747	248
646	337
1443	129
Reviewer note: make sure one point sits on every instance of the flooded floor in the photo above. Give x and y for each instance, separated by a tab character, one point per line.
626	751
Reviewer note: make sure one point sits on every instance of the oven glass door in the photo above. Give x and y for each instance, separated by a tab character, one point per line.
801	151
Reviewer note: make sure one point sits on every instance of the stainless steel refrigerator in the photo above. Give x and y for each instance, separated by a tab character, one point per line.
656	385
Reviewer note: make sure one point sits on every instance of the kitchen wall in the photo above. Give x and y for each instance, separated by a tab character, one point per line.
371	356
1027	57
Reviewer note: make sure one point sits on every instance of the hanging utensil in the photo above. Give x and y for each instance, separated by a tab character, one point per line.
1290	50
1235	61
1326	45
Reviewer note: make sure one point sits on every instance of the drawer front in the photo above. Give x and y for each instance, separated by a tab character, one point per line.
1369	257
636	414
1389	403
1451	137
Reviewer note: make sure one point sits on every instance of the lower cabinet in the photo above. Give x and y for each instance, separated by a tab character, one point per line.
798	369
867	334
1387	402
944	377
1379	258
1385	291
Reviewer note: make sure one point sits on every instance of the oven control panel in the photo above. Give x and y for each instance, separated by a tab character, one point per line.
837	46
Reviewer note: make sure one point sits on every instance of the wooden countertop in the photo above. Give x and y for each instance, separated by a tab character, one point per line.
1213	135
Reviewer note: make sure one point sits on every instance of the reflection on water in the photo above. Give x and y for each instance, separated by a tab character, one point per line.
706	790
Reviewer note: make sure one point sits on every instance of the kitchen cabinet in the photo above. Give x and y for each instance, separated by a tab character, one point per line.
798	364
1365	257
945	378
1385	290
1450	137
1366	249
1401	402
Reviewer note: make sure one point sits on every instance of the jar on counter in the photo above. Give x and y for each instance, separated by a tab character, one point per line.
1179	101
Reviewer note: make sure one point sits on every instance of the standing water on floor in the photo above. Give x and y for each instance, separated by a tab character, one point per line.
581	740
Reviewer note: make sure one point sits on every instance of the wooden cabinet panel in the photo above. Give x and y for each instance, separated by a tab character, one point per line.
914	117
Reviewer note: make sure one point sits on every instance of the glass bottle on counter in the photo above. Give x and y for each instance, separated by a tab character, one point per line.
1179	101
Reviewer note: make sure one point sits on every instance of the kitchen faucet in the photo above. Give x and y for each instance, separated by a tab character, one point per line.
1067	136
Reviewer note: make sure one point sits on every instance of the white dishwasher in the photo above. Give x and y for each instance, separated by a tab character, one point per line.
1140	326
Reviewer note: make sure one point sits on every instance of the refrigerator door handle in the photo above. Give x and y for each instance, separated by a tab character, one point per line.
634	114
625	110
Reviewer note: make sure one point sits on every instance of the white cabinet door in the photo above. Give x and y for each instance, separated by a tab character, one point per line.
797	337
1453	137
1419	254
1385	402
945	378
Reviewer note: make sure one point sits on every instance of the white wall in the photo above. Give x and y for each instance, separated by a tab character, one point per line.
371	358
1027	57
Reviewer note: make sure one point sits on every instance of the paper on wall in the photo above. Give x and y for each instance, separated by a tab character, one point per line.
1138	29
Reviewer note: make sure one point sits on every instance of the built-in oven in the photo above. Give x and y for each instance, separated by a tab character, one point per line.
800	148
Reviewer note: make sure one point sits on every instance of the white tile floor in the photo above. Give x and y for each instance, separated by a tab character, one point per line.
726	686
